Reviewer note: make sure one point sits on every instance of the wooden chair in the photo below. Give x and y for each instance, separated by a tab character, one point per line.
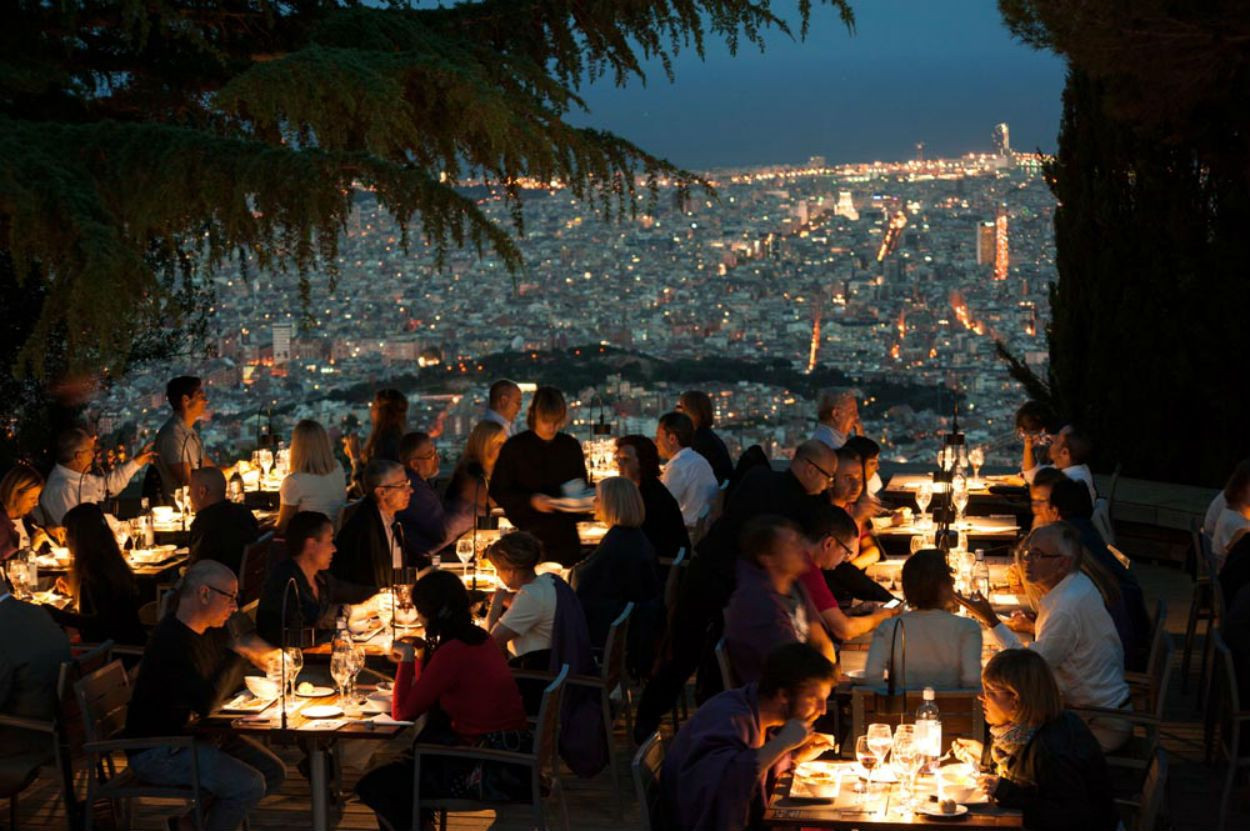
727	677
1216	592
1143	683
676	571
103	697
1101	519
1153	791
1199	605
542	759
1147	715
646	770
961	712
612	677
1233	718
253	569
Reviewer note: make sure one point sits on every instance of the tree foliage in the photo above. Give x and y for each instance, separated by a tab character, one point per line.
144	143
1152	177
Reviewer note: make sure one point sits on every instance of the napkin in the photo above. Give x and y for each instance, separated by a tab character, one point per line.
324	724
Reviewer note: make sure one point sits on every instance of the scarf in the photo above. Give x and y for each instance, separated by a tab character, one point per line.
1008	740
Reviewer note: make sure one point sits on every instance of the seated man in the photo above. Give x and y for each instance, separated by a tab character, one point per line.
317	595
848	487
191	663
72	482
832	538
769	606
1039	496
424	519
371	542
686	474
1074	632
31	655
837	410
221	529
1070	453
723	762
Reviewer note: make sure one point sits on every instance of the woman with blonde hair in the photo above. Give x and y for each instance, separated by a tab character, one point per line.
623	568
1046	761
317	481
533	469
466	497
19	494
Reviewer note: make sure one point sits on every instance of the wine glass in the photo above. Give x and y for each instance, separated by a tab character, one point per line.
294	663
908	757
924	495
867	760
357	666
959	496
464	549
178	499
341	670
917	543
976	458
880	740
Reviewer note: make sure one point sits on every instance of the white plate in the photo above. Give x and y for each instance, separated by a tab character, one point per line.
320	711
315	692
855	674
933	810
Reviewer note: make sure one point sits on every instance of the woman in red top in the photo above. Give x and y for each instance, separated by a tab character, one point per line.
463	686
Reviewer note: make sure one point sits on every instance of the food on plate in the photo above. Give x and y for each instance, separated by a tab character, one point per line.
948	806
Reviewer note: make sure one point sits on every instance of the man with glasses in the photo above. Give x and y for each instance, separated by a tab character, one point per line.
371	542
832	539
71	482
192	661
424	519
1073	632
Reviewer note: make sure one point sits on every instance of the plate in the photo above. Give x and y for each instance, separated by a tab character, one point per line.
245	702
855	674
320	711
315	692
936	811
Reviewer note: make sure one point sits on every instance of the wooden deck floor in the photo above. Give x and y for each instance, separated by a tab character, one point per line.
1193	788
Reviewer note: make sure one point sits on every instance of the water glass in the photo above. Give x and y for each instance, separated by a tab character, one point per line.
464	549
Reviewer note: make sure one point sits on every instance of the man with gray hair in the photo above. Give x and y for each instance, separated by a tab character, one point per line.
503	404
72	482
837	410
1073	631
191	663
221	529
371	542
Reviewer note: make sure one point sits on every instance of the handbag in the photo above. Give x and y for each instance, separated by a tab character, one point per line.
893	701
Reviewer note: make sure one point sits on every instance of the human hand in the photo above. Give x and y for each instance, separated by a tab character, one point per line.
967	750
980	608
542	503
403	652
989	784
145	456
1020	622
61	586
792	734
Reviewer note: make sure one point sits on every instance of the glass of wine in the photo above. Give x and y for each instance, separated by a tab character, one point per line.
959	496
464	549
908	758
867	760
294	663
924	495
341	671
880	740
976	458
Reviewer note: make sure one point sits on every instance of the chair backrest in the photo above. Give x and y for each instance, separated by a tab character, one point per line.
1160	642
547	728
1101	519
1226	668
726	669
1200	562
673	581
1120	556
646	769
103	696
1212	570
960	709
613	669
1152	792
70	733
1160	669
253	568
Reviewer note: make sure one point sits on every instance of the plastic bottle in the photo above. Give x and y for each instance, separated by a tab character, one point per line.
32	570
929	729
981	575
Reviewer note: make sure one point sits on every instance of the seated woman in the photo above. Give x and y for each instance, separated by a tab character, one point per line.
870	460
317	482
19	494
639	461
318	594
461	682
528	604
467	496
934	647
105	595
623	568
1047	762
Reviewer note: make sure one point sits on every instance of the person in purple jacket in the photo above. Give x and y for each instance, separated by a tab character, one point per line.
725	759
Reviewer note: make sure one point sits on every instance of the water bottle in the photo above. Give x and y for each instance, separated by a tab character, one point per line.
929	729
32	571
981	575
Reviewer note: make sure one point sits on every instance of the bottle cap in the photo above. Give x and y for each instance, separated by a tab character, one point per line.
929	695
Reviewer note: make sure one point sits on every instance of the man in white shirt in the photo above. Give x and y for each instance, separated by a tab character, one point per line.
1069	452
838	413
1073	631
71	482
687	475
503	404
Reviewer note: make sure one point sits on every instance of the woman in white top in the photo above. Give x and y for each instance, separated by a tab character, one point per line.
934	647
317	481
1228	524
524	630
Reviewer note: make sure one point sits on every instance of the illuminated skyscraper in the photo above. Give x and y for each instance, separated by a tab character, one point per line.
985	242
1002	140
845	206
1000	242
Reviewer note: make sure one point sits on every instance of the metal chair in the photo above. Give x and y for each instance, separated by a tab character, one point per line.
544	757
1233	719
646	767
103	697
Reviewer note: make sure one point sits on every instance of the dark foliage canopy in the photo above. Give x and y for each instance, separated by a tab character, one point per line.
145	142
1153	182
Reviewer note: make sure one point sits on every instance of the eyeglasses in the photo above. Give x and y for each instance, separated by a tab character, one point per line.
233	598
845	548
426	456
823	472
1037	554
403	484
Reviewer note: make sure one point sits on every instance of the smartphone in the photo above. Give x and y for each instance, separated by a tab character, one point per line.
893	604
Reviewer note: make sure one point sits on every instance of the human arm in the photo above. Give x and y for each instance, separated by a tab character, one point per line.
848	627
791	735
502	636
418	687
818	639
116	480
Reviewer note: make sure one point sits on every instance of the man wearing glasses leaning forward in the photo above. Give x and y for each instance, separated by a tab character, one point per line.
192	661
1073	632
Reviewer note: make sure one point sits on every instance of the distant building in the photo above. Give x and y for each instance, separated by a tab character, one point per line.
282	333
1002	140
846	206
985	242
1000	243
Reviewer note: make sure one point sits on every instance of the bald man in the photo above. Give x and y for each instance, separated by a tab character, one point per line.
191	662
221	529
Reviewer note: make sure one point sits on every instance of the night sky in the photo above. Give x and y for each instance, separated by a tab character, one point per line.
938	71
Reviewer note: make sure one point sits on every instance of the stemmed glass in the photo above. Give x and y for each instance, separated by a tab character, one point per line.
976	458
867	760
294	663
959	496
908	756
880	741
178	499
464	549
266	462
924	495
341	670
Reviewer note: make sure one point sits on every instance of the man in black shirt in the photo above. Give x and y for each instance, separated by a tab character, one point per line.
191	662
221	529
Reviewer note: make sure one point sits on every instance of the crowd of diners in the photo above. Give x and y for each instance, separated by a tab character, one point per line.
778	575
